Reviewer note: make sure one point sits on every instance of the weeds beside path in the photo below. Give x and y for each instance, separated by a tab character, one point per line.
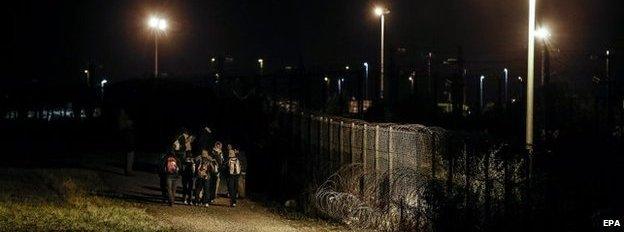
98	197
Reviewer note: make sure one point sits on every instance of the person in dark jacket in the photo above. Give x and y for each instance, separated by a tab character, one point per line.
171	173
162	176
127	133
184	150
205	168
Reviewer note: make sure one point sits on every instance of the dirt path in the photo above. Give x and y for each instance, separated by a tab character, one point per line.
143	188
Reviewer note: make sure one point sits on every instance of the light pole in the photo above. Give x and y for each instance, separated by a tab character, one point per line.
102	83
481	93
366	80
86	71
157	25
411	80
261	65
521	92
530	78
381	12
340	85
506	72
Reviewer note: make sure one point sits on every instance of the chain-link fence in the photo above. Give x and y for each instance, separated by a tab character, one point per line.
387	176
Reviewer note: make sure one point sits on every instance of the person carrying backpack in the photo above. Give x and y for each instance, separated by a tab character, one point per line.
216	155
233	171
187	172
206	166
171	174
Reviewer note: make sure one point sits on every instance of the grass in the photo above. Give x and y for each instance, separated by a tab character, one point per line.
65	200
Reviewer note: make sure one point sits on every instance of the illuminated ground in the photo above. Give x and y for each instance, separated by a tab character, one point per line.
98	197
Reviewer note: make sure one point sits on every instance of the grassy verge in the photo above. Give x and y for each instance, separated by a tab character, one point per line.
65	200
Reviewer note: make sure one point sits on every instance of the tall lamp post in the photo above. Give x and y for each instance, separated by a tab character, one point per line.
411	80
481	95
366	80
506	73
530	78
88	76
102	83
381	12
261	66
158	25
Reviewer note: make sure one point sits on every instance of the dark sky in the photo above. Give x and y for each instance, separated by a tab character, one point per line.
52	39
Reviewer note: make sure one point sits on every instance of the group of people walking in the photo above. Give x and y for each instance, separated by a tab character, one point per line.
201	164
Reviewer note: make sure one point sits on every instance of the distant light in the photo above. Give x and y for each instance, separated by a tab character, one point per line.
326	79
513	100
607	52
157	23
86	71
162	24
520	79
347	67
379	11
153	22
260	60
542	33
103	82
366	64
342	79
505	70
482	77
213	59
410	79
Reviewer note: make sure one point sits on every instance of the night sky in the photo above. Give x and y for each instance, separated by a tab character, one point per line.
50	40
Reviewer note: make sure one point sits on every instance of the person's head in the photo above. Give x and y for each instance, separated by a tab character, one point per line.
218	145
205	153
229	146
232	154
176	145
184	132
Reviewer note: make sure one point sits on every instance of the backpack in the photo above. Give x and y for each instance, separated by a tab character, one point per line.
171	165
204	169
234	166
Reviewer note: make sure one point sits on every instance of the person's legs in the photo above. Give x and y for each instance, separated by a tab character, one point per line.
199	187
205	185
212	188
232	187
163	186
186	188
171	187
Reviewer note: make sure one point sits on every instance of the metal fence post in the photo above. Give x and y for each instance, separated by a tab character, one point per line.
340	147
390	158
329	144
376	165
363	181
319	150
364	147
351	142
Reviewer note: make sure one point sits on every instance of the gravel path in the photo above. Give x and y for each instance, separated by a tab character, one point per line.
143	188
